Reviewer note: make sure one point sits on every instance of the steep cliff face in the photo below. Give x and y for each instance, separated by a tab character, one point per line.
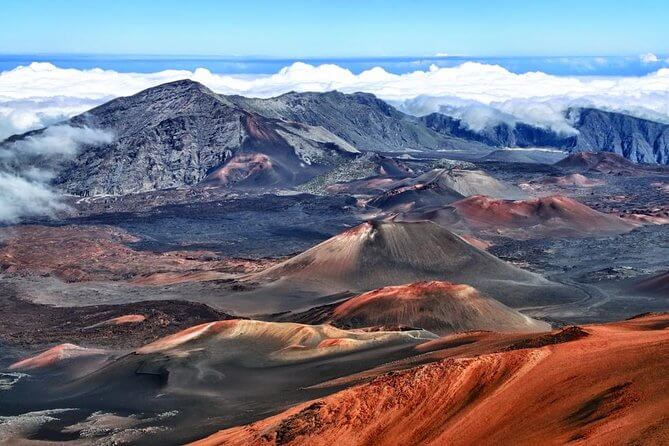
638	140
362	119
499	135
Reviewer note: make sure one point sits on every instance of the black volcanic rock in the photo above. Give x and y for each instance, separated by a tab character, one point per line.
416	196
361	119
638	140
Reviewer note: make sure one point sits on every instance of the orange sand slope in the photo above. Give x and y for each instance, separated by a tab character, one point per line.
608	387
274	343
439	307
380	253
557	215
55	356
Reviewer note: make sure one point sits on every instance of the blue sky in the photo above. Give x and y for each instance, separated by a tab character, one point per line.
335	28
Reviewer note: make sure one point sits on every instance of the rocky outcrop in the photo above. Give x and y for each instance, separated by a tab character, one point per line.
182	134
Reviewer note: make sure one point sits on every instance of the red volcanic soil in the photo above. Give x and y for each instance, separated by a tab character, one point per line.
441	186
86	253
120	320
604	162
597	161
275	342
608	386
189	334
54	356
240	168
260	130
128	319
574	179
381	253
556	215
439	307
656	285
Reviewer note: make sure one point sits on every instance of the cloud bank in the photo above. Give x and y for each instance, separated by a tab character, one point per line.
649	58
41	93
26	168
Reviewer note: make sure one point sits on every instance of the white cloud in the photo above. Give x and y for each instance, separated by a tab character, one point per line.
56	140
34	95
21	197
649	58
20	115
24	187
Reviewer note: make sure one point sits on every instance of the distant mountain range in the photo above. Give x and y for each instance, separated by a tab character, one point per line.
638	140
183	134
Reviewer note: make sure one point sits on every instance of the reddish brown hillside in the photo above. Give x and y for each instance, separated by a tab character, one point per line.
608	387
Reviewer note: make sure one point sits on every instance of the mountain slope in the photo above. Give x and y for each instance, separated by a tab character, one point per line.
499	135
361	119
539	217
638	140
381	253
181	133
439	307
598	162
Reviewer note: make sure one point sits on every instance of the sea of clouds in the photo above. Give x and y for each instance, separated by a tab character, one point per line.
40	94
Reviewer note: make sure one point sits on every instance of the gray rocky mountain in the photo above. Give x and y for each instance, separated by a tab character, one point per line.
181	134
362	119
638	140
